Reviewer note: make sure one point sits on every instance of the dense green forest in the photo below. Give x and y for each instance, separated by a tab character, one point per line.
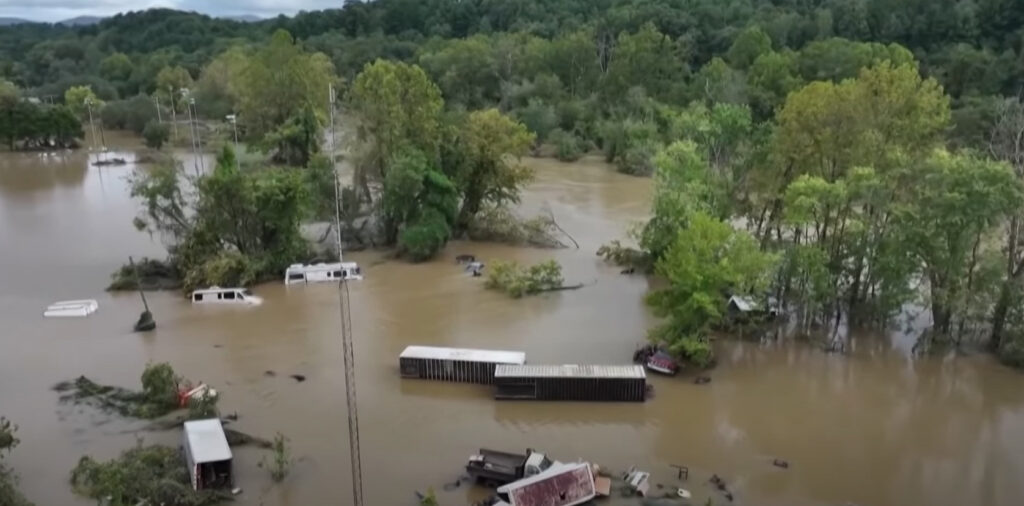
847	159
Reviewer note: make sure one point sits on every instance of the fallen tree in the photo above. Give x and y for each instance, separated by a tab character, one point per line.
499	224
159	395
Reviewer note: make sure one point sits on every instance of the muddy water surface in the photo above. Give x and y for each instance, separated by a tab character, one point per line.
873	428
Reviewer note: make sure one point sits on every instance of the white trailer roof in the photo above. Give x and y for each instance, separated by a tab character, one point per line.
464	354
569	371
206	441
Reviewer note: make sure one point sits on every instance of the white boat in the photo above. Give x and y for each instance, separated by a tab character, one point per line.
218	295
71	308
316	273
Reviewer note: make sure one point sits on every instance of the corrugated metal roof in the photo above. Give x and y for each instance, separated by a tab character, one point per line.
206	441
570	371
743	303
464	354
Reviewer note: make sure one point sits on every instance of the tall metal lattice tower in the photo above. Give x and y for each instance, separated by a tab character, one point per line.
346	336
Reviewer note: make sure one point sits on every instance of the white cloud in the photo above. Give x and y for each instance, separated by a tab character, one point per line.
56	10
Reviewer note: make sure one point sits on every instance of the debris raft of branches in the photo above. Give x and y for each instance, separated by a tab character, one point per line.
517	281
159	395
499	224
141	475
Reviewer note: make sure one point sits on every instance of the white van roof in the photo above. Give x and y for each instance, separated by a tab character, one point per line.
321	266
206	441
217	289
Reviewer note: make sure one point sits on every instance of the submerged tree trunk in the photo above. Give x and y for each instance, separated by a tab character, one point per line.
999	316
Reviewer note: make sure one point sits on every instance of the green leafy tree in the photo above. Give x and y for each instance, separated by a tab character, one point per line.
279	82
397	105
170	82
156	134
707	259
493	144
117	67
219	87
648	58
954	202
80	99
770	78
747	47
465	70
297	140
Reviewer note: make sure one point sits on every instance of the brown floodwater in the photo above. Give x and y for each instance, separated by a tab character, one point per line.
874	427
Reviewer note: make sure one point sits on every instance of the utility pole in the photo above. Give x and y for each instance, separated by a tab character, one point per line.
199	136
92	126
346	339
234	126
174	112
191	133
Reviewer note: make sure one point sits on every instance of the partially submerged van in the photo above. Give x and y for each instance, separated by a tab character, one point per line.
208	455
218	295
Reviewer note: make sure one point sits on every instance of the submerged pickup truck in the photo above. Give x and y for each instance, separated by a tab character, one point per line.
495	468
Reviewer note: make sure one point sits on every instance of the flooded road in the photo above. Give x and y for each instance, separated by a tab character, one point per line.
871	428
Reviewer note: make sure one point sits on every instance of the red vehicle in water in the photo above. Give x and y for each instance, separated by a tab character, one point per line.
656	360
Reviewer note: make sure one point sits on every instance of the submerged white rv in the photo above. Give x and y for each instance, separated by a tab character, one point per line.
71	308
218	295
315	273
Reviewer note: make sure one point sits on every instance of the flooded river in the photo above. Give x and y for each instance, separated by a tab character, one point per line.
871	428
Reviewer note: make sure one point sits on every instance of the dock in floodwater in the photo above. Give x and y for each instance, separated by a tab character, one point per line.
624	383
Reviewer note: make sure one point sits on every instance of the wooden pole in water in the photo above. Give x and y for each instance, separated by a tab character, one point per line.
146	322
138	283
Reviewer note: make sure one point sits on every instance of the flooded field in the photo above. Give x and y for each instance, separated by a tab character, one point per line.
871	428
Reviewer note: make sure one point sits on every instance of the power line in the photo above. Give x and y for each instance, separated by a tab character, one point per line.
345	311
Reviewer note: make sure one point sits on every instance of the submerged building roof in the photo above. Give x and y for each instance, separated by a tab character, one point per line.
570	371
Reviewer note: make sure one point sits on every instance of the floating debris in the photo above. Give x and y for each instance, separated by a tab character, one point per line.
702	380
465	258
298	377
780	463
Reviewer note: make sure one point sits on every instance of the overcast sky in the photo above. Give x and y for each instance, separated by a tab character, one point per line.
56	10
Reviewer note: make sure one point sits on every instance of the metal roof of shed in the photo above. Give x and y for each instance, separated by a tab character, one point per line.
569	371
206	441
464	354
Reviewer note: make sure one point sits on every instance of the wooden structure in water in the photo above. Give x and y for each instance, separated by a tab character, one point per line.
617	383
460	365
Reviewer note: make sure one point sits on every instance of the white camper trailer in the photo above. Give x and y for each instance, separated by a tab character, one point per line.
316	273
